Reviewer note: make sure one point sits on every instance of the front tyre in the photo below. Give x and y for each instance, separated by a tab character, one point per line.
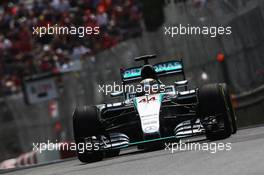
231	108
214	111
86	125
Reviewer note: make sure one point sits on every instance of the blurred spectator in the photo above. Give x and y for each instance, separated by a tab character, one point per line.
23	54
79	51
60	5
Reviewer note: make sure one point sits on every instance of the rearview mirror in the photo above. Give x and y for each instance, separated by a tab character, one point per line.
116	94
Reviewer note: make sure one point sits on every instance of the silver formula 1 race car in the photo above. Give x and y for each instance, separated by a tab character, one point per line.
148	119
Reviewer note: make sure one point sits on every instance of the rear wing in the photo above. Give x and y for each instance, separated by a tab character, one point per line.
161	69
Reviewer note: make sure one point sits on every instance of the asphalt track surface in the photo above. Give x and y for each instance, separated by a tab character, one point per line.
245	158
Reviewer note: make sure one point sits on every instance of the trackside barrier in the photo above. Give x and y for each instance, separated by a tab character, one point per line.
35	157
7	164
250	107
27	159
249	98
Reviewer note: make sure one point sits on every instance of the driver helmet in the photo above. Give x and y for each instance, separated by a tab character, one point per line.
150	85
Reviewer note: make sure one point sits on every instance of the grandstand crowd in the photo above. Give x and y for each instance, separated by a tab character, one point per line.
22	53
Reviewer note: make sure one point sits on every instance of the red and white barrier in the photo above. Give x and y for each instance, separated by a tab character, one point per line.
37	157
27	159
7	164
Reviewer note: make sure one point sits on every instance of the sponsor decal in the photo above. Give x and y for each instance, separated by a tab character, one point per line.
150	128
147	99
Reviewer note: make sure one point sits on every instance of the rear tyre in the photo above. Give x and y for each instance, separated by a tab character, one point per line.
214	104
231	108
86	124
